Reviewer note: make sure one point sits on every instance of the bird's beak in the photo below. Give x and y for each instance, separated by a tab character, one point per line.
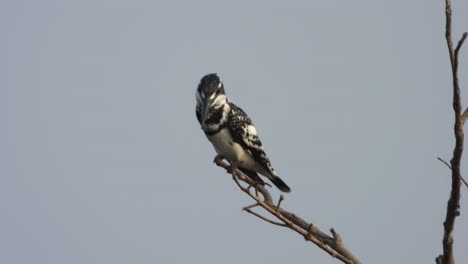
205	111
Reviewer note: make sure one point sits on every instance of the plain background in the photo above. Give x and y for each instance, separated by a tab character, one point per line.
103	161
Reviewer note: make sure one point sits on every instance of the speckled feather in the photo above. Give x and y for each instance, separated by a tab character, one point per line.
243	132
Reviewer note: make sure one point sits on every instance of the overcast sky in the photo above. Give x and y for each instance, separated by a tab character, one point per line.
103	161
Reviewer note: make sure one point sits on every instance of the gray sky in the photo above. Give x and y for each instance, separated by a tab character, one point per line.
102	160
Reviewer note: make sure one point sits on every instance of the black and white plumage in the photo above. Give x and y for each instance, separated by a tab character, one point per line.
232	133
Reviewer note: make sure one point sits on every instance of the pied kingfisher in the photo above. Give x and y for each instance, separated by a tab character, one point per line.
232	133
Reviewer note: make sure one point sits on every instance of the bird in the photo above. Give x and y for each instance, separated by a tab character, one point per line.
232	133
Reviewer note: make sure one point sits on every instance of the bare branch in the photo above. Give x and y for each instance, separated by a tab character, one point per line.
333	245
453	205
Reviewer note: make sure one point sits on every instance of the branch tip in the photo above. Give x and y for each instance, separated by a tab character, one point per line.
336	236
444	162
460	43
281	198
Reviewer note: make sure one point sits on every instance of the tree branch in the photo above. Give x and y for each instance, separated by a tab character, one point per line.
333	245
453	205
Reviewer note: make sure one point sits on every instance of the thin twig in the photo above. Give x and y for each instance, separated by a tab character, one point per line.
444	162
250	206
460	43
450	167
336	236
264	218
279	202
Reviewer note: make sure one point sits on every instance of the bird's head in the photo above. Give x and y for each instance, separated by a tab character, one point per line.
210	93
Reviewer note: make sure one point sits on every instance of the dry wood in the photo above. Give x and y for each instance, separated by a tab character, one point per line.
453	205
333	244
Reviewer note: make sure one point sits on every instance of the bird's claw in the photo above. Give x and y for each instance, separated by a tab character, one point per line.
218	159
232	168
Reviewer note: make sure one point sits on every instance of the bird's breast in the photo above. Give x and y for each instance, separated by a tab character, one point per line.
232	151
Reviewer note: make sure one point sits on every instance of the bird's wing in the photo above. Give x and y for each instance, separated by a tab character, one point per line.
254	176
243	132
198	106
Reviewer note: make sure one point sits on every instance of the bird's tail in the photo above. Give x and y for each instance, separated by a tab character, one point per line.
278	182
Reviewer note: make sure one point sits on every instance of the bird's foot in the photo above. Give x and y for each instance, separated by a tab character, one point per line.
233	167
218	159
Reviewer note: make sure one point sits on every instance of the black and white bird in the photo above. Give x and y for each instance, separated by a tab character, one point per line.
232	133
